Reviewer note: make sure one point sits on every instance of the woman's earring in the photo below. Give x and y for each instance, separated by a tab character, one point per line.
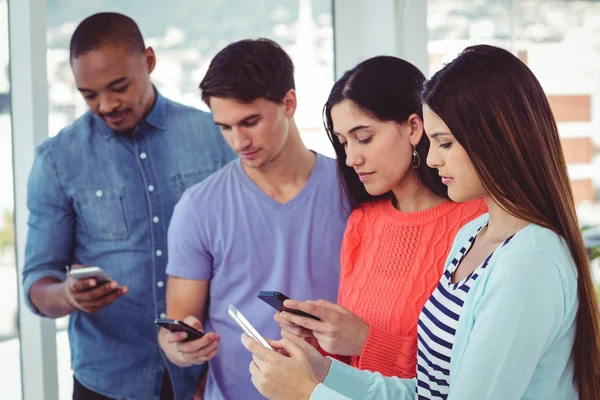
416	159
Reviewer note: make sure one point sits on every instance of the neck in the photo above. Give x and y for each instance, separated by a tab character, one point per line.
151	101
293	164
501	224
412	196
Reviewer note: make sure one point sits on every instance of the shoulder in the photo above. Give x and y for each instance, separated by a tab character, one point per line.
362	217
68	139
213	188
188	111
470	228
537	257
328	168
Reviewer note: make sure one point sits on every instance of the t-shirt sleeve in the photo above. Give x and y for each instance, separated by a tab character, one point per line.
188	247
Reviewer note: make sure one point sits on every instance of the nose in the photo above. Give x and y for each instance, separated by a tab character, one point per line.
241	140
108	103
434	159
353	155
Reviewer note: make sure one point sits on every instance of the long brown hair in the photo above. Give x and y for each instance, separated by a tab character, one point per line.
497	110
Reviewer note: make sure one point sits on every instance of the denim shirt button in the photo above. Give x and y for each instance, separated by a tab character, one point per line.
158	253
160	284
99	193
143	156
150	188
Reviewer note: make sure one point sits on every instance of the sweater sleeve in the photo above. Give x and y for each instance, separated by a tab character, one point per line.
344	382
515	321
390	354
349	242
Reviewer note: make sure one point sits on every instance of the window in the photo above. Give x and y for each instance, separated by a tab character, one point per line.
560	42
185	36
10	359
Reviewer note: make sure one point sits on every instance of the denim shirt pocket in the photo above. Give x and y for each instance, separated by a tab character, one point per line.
184	180
101	213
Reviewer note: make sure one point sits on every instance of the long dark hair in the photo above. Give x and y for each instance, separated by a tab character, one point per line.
386	88
497	110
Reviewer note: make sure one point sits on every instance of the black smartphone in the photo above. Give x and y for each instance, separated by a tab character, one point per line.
276	299
174	325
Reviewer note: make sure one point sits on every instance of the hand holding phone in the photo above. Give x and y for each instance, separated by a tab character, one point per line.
192	345
174	325
89	289
276	299
339	331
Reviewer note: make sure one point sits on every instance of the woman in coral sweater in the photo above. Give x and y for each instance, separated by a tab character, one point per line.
401	227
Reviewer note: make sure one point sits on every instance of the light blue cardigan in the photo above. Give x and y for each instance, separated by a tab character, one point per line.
515	332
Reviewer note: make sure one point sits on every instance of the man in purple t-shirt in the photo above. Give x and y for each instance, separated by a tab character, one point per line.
272	220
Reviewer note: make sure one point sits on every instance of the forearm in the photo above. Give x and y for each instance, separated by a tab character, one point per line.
170	350
49	296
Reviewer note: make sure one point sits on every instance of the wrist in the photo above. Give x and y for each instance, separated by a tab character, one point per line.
309	388
361	343
324	370
69	303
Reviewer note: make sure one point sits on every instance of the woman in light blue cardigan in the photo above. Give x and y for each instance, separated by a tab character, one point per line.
515	314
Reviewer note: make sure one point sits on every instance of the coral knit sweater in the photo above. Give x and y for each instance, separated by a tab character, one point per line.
391	262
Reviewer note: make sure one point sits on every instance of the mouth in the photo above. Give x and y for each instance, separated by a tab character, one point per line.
249	155
115	118
446	180
364	176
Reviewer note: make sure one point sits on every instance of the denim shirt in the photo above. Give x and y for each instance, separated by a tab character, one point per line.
105	200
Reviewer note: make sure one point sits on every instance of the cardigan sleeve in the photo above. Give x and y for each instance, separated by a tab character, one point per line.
344	382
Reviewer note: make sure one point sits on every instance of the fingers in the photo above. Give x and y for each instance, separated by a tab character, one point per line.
193	322
80	285
197	345
325	312
256	348
96	293
200	350
98	304
304	322
306	347
294	329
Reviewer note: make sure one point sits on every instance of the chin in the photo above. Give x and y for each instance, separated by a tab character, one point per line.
461	197
375	190
255	164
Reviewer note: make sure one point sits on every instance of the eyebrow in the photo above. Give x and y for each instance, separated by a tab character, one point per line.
113	83
246	119
436	134
353	130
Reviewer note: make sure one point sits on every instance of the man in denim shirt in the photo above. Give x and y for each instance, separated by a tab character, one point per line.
102	193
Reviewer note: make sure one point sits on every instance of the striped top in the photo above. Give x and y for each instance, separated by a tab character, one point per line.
437	326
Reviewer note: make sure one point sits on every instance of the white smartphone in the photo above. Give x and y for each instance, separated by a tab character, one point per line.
96	273
246	326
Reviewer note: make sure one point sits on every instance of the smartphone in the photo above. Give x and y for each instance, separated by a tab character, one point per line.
96	273
276	299
246	326
175	325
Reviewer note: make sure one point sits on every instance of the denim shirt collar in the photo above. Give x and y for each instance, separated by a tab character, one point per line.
157	117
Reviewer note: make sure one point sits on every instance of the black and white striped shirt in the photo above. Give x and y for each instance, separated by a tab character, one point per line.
437	326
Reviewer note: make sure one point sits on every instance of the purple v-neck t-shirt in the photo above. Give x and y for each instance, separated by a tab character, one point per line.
226	230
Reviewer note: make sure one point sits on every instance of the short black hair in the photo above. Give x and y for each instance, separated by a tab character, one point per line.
105	28
247	70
